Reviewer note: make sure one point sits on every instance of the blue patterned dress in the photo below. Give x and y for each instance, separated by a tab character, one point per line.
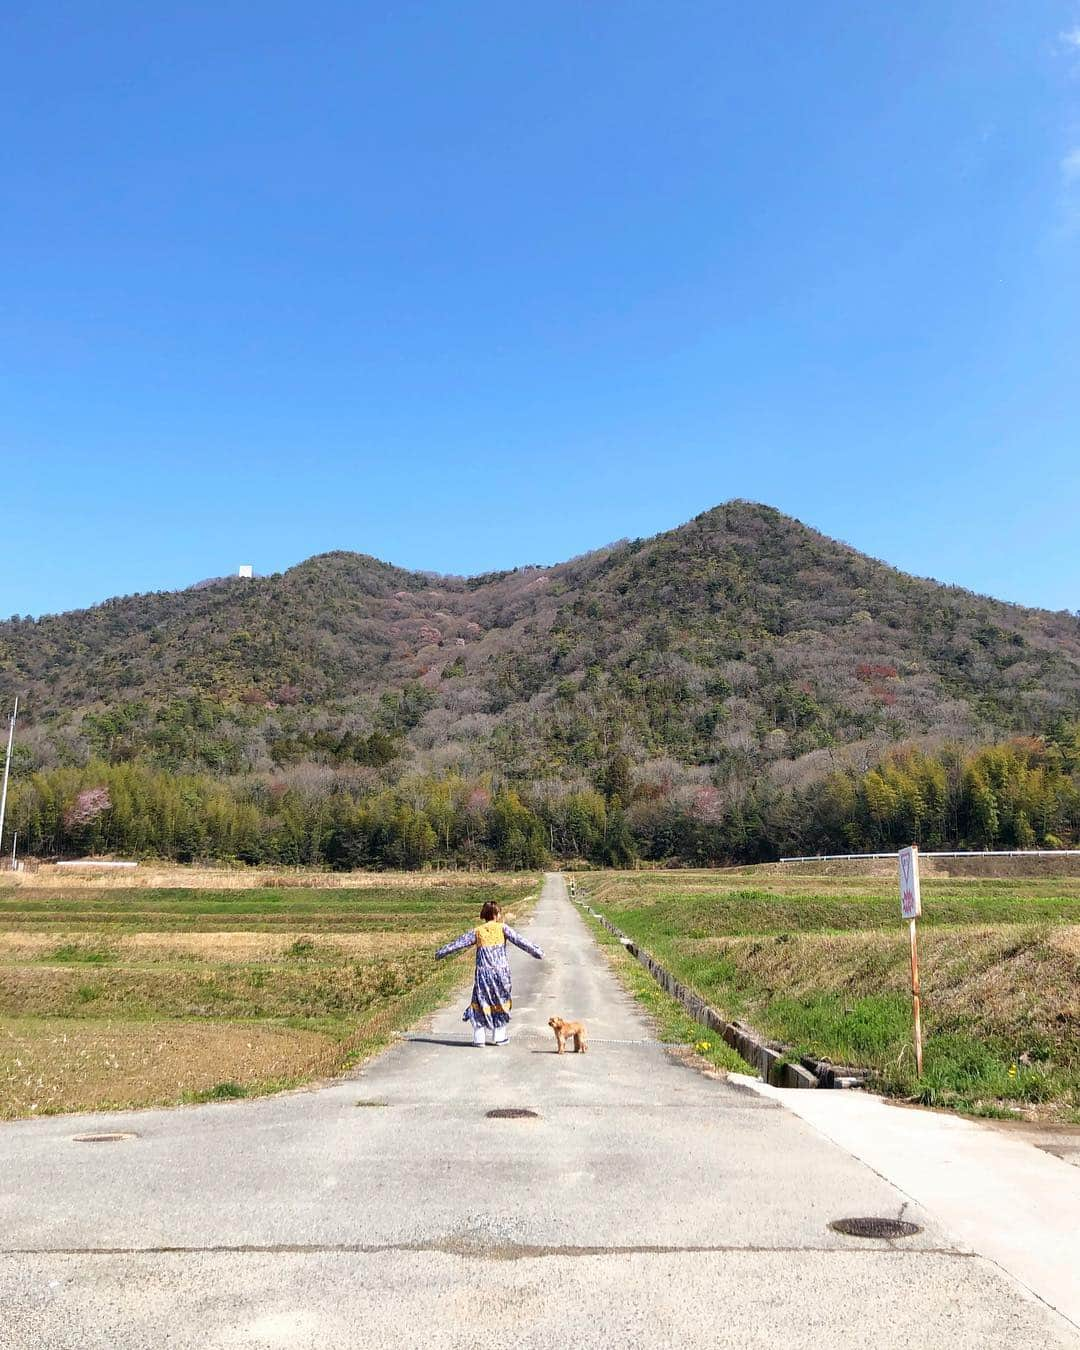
491	995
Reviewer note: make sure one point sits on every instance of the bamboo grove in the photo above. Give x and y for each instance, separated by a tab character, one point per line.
1020	793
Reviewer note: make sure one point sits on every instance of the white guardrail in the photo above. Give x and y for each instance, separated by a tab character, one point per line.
94	862
954	853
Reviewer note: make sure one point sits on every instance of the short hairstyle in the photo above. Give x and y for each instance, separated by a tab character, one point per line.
490	911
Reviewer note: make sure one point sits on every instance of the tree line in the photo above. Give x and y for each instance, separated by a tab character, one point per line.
1021	793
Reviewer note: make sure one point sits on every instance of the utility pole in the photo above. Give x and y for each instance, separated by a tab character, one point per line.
7	770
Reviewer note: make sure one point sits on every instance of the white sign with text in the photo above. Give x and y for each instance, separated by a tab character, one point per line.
910	895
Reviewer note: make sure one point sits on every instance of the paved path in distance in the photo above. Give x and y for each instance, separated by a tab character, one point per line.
646	1205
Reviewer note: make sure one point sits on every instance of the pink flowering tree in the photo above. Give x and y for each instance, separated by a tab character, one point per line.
86	808
81	817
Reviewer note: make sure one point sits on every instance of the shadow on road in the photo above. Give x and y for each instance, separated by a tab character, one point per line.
436	1040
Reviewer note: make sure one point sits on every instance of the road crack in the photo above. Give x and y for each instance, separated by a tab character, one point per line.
493	1251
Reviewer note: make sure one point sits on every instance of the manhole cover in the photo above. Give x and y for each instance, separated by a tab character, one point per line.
101	1138
513	1113
875	1228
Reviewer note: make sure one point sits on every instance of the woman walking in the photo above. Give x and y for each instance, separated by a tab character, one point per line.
491	1000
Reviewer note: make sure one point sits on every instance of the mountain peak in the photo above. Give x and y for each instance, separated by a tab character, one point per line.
739	640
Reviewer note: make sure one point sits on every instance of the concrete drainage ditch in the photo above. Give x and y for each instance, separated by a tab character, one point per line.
776	1064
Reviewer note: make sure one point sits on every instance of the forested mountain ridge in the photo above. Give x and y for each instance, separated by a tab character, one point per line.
737	643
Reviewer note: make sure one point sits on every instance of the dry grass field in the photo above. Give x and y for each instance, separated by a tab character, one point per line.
819	962
172	876
130	996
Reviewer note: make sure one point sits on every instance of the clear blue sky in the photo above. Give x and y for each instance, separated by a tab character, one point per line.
470	283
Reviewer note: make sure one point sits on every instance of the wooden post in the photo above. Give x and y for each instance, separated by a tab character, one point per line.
915	1004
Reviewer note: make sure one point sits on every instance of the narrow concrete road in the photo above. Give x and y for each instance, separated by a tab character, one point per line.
646	1205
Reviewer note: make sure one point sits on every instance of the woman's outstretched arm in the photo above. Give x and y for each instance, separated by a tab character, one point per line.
523	943
458	945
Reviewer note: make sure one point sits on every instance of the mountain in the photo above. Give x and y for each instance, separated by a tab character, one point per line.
738	644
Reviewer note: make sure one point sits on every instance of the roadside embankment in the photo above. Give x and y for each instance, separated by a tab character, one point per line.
824	971
976	865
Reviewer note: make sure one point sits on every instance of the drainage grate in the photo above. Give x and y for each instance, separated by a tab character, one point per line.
115	1138
875	1228
513	1113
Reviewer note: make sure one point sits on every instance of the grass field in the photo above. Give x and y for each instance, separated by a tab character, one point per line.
171	876
122	997
820	963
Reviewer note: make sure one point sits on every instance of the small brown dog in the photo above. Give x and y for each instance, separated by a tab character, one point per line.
567	1031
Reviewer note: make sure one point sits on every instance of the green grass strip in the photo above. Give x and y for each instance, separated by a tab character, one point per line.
672	1022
